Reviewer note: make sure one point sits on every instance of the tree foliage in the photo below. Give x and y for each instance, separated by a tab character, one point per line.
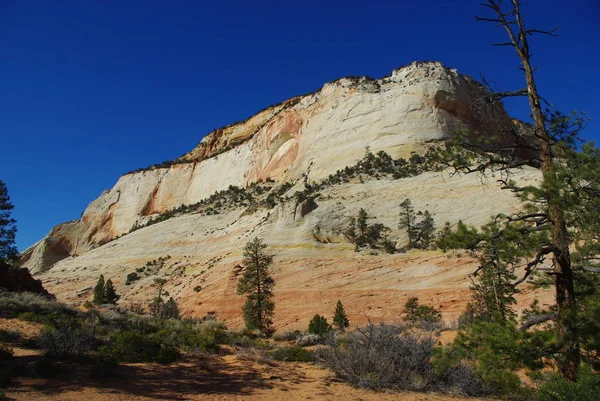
8	228
99	298
407	220
554	239
413	312
104	292
258	284
318	325
340	319
420	232
361	233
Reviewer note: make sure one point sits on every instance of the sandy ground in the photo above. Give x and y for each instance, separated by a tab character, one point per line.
233	376
216	378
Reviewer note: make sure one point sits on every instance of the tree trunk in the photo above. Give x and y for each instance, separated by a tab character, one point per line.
563	273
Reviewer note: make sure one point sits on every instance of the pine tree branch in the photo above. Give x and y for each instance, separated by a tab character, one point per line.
538	319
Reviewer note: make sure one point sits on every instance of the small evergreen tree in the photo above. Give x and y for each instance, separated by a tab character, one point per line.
424	230
362	227
8	229
258	284
110	295
318	325
156	304
99	294
407	220
413	312
340	319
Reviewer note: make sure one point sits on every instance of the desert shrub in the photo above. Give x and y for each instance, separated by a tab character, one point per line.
391	357
293	353
67	336
241	339
131	346
308	340
557	388
30	317
14	304
287	335
131	278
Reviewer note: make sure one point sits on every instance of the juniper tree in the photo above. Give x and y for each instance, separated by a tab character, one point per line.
99	294
424	230
318	325
110	295
258	284
340	319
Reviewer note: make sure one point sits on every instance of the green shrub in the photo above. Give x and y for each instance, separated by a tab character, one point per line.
293	353
131	278
30	317
133	347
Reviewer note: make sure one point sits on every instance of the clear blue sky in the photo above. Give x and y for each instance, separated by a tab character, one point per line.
92	89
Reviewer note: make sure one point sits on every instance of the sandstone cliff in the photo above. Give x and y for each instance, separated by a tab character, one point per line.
304	139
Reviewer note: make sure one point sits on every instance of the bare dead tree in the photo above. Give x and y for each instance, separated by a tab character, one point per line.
509	18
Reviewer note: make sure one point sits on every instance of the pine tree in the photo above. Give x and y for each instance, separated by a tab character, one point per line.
362	227
340	320
258	284
99	294
156	304
110	295
8	229
413	312
318	325
424	230
407	220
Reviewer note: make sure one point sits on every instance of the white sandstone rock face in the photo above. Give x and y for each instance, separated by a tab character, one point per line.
310	136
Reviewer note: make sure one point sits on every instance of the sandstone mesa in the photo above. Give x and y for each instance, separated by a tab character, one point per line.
303	139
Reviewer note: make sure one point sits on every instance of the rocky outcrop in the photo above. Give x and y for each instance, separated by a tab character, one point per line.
300	141
315	134
15	279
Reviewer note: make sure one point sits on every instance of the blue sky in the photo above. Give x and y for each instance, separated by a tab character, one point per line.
92	89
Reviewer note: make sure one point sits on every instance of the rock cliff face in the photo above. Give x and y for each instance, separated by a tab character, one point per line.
301	140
